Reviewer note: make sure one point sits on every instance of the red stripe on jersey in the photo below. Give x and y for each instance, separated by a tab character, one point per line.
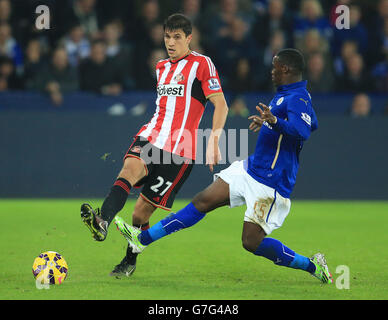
193	126
182	106
177	116
163	100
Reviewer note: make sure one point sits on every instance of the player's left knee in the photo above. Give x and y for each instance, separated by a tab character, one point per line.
202	202
251	241
250	247
133	170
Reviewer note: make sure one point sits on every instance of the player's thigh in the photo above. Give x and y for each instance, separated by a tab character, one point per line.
265	206
135	167
164	182
234	177
142	212
214	196
133	170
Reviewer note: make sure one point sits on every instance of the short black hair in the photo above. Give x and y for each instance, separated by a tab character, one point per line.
293	59
178	21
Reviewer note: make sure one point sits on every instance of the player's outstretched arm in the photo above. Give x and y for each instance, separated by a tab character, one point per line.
213	154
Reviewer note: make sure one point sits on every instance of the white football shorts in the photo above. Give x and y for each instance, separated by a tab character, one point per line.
265	206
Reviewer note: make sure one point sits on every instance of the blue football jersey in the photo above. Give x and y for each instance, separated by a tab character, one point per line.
275	161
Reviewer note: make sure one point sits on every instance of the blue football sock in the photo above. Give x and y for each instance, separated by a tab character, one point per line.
281	255
184	218
303	263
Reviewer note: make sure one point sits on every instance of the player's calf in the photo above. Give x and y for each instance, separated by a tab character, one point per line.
115	200
281	255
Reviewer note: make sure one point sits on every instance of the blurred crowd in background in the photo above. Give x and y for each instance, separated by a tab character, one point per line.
111	46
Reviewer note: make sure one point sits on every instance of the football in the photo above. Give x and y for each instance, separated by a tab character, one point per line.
50	268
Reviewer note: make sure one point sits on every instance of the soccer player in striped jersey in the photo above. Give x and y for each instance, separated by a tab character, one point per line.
264	181
186	80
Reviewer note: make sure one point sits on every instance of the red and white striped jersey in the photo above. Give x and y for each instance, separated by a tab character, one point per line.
183	87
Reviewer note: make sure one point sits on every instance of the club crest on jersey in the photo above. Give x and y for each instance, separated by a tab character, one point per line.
171	90
280	100
136	149
214	84
179	78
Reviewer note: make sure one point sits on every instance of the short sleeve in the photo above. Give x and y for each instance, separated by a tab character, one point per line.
208	76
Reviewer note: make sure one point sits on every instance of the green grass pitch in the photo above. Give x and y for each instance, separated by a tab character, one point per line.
200	263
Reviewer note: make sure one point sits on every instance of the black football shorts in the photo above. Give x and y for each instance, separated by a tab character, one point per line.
165	172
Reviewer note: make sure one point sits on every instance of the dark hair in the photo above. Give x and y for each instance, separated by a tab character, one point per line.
293	59
178	21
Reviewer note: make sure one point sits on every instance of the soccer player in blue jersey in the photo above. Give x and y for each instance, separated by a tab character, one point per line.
263	182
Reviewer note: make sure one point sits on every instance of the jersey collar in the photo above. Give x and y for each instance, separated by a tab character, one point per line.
295	85
177	60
